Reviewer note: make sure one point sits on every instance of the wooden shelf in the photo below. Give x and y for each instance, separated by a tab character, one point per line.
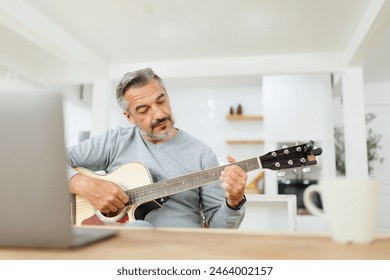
244	141
244	117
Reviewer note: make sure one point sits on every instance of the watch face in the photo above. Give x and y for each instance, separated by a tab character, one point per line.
242	202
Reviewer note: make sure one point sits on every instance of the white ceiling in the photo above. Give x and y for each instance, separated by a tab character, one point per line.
79	41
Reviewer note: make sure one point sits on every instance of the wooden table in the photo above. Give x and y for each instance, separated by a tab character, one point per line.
200	244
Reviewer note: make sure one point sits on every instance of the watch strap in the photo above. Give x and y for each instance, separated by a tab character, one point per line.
238	207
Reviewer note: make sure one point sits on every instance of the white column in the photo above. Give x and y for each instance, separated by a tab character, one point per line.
100	105
356	164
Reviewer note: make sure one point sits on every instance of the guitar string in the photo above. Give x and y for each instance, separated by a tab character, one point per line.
145	193
187	182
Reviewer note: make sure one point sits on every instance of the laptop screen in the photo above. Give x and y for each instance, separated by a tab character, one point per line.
34	200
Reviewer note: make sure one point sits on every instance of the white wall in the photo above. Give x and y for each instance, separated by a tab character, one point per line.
77	119
298	107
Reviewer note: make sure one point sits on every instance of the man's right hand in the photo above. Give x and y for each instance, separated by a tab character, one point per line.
104	195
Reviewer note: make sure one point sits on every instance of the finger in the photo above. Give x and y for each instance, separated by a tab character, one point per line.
234	186
119	198
234	174
122	196
112	208
233	190
113	201
231	159
118	204
111	204
119	194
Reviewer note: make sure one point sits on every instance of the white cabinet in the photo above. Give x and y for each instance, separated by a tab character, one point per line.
270	213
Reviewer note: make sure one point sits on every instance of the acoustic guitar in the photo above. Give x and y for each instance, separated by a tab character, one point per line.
146	196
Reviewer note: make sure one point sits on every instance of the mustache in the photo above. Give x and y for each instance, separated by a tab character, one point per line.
160	121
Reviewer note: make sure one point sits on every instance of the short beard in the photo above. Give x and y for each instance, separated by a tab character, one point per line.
163	136
159	137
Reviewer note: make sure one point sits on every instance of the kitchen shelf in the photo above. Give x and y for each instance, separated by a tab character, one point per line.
245	141
244	117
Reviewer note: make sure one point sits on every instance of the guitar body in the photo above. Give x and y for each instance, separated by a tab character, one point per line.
127	176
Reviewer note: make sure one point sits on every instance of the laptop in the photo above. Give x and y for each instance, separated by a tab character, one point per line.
34	201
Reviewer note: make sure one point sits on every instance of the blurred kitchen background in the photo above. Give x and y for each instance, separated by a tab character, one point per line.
298	70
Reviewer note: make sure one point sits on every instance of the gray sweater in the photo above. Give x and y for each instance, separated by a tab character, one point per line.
182	155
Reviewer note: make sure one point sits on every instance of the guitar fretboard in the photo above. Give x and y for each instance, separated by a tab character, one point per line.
191	181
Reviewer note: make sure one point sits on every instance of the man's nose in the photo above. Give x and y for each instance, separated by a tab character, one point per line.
158	113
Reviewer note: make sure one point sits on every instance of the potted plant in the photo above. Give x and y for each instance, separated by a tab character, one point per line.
373	147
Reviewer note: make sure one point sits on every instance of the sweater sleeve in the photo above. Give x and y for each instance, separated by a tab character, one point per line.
92	154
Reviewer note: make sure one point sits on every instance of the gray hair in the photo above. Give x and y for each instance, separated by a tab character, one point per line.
134	79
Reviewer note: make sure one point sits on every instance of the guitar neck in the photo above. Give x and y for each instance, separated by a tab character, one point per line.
191	181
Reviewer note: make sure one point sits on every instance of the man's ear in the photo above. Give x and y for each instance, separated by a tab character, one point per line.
129	117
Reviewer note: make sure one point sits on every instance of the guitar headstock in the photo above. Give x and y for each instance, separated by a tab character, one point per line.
291	157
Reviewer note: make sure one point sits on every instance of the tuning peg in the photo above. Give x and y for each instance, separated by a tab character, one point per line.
281	173
284	146
309	145
317	151
306	169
